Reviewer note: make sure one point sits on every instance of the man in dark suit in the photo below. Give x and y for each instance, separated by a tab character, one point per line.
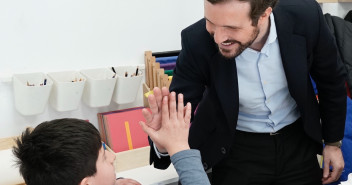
246	67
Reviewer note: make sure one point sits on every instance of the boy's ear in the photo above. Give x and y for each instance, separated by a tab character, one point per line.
85	181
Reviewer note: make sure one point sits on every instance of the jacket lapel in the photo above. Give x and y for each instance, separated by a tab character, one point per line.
293	54
226	86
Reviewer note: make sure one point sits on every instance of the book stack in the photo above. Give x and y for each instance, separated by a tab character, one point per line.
121	131
159	68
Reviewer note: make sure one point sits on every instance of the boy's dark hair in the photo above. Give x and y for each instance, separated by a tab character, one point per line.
258	7
57	152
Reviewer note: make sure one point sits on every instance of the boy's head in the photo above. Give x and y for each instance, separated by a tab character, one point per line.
64	151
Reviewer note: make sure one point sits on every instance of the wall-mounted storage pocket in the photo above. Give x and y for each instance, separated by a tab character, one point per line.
127	84
99	87
67	90
31	92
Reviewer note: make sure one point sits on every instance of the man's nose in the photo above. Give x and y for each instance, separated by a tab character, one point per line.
219	35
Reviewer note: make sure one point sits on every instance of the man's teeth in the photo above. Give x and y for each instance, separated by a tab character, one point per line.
227	43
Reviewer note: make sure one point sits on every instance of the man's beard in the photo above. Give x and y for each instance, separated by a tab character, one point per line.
227	53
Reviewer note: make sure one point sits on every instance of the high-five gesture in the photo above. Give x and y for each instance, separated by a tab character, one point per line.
173	132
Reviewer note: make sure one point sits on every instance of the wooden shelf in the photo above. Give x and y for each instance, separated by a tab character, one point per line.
334	1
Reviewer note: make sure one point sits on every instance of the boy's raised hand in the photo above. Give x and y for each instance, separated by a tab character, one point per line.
174	129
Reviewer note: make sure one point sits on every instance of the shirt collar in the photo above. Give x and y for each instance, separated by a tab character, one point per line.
272	36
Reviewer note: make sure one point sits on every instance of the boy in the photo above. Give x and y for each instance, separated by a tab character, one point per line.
66	151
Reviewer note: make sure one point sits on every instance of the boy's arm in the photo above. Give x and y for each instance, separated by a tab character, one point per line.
189	166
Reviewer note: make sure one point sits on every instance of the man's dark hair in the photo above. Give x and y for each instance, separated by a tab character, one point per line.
258	7
57	152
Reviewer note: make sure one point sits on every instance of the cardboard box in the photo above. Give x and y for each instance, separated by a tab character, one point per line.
131	159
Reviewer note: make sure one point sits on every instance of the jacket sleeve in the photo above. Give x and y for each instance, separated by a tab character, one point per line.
329	74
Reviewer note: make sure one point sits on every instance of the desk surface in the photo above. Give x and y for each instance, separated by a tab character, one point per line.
148	175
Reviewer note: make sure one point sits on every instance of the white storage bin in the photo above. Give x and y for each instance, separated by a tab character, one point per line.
67	90
127	86
99	87
30	92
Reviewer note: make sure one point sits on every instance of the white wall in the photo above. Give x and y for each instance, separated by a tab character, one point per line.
337	9
46	36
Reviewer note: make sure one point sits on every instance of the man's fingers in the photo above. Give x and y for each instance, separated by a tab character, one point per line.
158	96
153	104
146	114
326	170
335	175
148	130
327	180
188	112
165	110
172	105
180	106
165	91
336	171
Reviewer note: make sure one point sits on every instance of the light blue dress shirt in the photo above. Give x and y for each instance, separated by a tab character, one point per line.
265	104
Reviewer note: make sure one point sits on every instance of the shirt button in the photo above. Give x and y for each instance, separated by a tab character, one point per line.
205	166
223	150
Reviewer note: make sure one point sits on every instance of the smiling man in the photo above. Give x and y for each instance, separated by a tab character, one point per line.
246	67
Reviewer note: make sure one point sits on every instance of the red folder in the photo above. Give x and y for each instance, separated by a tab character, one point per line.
121	129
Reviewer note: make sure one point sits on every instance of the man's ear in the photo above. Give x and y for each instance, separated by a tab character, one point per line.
265	16
85	181
267	12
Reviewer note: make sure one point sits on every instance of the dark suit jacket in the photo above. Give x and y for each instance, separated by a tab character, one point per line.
210	81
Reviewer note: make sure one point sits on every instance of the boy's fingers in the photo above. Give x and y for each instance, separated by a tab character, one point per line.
172	104
180	107
165	110
188	112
